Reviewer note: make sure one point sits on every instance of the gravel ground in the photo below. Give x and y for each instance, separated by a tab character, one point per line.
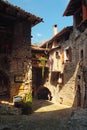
46	116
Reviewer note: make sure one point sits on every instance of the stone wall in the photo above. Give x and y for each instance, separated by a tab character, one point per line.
72	91
21	59
16	66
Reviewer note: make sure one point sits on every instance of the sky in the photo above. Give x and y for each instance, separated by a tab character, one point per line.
52	13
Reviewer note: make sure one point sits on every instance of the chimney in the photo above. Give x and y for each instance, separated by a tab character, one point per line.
54	30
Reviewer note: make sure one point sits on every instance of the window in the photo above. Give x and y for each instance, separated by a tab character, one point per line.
81	54
57	55
68	54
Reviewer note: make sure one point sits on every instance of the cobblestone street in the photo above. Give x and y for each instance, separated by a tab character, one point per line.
43	69
46	116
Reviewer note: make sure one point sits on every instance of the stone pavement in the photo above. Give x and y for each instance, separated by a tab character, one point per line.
78	120
46	116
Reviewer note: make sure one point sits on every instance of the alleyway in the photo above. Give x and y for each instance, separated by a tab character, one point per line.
46	116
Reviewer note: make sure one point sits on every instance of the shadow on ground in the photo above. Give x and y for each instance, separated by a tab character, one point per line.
41	120
46	116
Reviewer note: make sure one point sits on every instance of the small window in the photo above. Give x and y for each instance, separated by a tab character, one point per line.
81	54
68	54
57	55
79	77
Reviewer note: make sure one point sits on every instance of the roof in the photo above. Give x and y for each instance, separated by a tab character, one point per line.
15	12
37	48
72	6
59	36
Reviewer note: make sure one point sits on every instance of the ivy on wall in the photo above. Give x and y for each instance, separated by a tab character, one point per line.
43	62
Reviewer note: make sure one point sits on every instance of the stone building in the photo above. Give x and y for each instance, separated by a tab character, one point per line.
68	69
15	49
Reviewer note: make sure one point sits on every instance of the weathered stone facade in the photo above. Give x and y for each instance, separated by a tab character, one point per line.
15	50
18	63
20	59
67	76
71	90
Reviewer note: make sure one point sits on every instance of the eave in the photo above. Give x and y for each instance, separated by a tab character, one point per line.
72	7
38	49
59	36
55	48
11	12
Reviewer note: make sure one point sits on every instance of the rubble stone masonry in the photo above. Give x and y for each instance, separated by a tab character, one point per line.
21	59
16	67
73	90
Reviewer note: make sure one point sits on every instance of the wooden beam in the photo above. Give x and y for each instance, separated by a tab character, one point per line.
84	11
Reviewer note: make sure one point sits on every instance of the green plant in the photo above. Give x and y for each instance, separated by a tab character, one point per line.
43	61
29	97
27	106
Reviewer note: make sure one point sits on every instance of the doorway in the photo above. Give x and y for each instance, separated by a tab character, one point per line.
37	78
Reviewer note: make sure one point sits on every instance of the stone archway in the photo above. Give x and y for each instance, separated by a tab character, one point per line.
4	85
